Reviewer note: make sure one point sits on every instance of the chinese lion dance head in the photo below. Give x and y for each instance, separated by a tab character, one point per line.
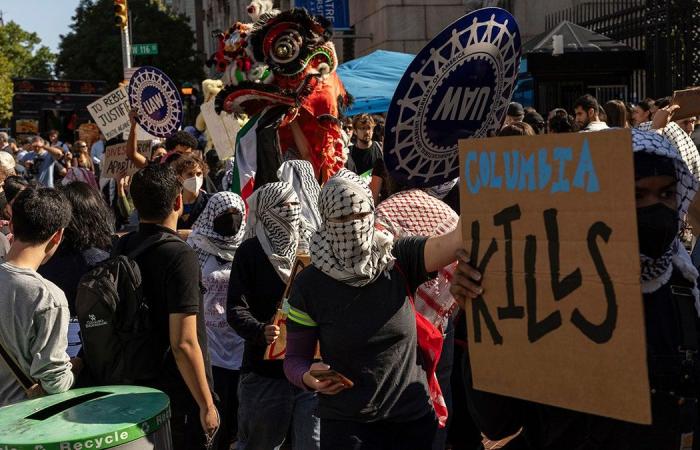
284	64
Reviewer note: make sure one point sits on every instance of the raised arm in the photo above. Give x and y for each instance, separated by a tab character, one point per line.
137	158
441	250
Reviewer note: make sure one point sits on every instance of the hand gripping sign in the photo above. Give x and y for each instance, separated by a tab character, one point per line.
158	101
550	222
457	87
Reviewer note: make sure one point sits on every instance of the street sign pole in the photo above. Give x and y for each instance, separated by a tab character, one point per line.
126	48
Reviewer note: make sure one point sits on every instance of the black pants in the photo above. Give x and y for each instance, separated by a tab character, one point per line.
226	387
185	426
383	435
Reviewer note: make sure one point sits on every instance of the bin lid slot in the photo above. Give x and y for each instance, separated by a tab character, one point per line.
52	410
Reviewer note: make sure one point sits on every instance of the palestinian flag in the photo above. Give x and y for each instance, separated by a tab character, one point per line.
258	153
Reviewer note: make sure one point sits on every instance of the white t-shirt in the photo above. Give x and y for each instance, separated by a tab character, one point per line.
225	346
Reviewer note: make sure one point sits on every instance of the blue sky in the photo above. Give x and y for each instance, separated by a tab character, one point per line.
47	18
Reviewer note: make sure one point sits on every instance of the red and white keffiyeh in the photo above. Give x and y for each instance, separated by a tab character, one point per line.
417	213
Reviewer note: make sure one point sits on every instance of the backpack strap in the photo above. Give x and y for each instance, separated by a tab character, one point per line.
149	243
22	378
152	242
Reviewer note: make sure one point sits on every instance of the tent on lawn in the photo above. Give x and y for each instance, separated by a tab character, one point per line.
372	80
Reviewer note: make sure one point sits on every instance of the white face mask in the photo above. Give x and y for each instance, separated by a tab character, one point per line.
193	184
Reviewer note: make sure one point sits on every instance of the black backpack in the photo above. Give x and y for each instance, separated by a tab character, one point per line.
119	342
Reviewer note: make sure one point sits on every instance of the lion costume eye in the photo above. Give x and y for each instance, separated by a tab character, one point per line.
286	47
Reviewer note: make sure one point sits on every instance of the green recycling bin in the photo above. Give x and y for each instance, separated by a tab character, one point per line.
118	417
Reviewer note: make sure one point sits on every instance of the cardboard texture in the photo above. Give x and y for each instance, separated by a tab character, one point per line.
116	164
563	322
689	102
278	348
111	113
222	128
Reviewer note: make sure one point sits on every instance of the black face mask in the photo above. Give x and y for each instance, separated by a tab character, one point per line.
227	224
657	226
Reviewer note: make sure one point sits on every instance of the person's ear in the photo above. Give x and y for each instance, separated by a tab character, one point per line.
177	204
57	237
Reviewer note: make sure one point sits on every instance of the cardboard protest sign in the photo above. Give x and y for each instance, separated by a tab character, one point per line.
111	112
116	164
550	221
222	128
158	101
689	102
278	348
458	86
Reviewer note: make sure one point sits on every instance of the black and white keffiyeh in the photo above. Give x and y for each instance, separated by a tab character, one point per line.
657	272
205	241
273	217
353	252
682	142
300	174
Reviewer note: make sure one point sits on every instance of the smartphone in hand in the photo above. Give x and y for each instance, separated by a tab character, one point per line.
323	375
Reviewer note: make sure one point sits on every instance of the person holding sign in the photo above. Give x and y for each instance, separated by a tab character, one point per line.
268	403
664	189
355	300
180	143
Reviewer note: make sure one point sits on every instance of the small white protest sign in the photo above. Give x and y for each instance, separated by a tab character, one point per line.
111	113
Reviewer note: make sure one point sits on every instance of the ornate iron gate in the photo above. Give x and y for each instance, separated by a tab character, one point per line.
667	30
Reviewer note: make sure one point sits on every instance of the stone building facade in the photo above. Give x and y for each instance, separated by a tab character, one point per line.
398	25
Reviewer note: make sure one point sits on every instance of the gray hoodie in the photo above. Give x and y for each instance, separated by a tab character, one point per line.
34	329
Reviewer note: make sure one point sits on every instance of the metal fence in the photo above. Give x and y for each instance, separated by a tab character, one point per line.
667	30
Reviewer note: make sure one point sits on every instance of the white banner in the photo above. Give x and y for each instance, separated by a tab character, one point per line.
111	113
222	128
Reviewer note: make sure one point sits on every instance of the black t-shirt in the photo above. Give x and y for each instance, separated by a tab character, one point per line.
254	292
369	335
172	283
550	428
365	159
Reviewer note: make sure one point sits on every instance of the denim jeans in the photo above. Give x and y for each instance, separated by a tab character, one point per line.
266	409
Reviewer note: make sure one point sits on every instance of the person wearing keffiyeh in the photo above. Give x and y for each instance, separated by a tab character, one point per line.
268	403
300	174
355	300
215	237
664	190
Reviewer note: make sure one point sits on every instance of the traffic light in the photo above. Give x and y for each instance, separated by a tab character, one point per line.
121	17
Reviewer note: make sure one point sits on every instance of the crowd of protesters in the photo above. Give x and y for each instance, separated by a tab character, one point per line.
214	269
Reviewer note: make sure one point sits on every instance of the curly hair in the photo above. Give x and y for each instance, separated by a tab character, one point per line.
187	162
92	222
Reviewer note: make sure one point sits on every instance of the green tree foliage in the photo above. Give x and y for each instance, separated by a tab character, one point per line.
92	50
21	56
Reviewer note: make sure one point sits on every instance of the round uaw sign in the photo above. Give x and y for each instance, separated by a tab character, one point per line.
158	101
459	86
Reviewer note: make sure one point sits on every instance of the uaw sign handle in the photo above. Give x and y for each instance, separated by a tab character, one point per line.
158	101
457	87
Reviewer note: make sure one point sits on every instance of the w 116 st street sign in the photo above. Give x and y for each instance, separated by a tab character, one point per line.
144	49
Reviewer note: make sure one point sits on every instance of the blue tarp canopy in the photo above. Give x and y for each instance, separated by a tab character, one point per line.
372	80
